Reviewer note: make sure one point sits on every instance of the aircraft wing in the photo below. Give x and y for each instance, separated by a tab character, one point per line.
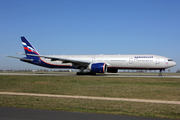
75	62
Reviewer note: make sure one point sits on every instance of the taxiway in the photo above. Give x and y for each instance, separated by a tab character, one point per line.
8	113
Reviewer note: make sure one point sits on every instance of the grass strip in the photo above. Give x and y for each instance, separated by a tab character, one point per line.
136	88
93	106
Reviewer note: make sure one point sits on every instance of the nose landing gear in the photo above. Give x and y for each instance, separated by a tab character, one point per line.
160	72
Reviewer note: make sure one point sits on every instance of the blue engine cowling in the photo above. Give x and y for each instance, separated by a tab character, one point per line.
98	67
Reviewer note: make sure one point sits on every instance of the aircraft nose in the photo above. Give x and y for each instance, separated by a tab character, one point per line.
171	64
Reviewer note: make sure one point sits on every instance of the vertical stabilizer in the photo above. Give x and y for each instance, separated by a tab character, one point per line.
28	48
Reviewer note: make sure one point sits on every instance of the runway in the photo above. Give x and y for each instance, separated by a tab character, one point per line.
98	75
8	113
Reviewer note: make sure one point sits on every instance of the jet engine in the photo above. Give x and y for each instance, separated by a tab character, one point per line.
97	67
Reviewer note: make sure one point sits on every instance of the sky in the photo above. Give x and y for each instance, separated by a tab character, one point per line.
87	27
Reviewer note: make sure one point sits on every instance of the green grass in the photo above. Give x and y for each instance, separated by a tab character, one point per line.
141	88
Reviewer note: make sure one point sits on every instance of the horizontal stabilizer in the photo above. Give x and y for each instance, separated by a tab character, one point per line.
21	53
20	58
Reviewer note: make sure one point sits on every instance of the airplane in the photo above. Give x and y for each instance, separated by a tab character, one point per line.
94	63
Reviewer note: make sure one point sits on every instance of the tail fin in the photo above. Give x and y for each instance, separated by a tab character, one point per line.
28	48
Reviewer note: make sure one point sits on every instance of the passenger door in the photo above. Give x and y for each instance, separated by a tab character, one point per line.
130	61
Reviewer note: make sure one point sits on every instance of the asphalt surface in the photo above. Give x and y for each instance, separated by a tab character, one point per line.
8	113
98	75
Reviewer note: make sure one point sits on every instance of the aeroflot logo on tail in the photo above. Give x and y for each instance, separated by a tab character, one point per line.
29	49
143	57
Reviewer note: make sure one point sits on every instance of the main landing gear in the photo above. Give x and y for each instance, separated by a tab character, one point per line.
85	73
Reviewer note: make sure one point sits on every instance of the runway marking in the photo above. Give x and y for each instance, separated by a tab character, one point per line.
92	98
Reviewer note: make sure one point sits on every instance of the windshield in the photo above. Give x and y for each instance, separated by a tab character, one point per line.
170	60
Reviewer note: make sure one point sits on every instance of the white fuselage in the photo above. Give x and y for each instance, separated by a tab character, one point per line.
119	61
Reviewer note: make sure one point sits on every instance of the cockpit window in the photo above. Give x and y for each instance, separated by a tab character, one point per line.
170	60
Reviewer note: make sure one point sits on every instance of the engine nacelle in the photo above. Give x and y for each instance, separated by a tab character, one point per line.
97	67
